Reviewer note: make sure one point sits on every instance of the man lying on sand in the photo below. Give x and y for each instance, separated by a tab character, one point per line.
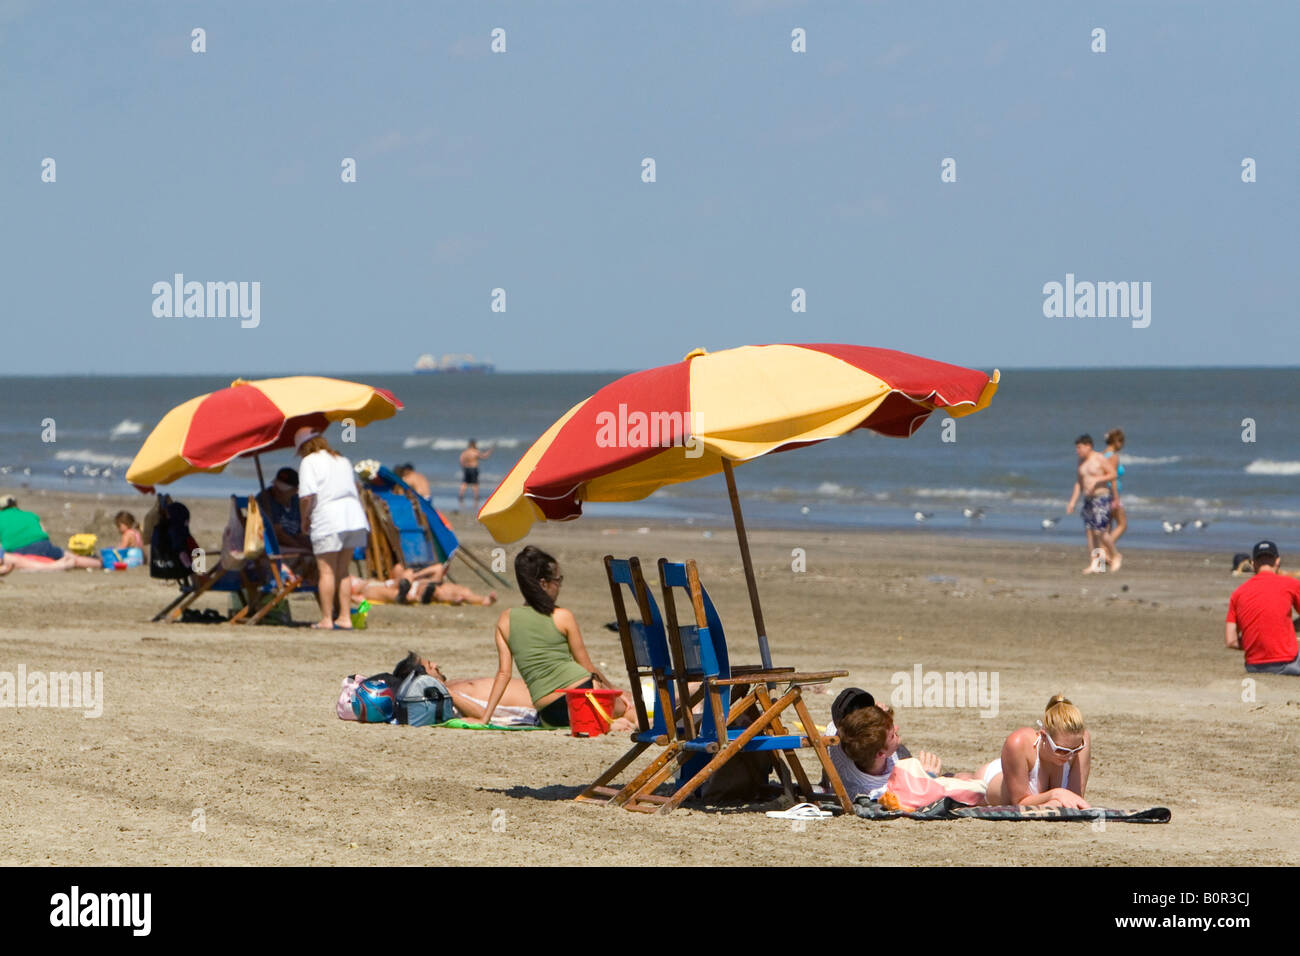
870	744
1259	616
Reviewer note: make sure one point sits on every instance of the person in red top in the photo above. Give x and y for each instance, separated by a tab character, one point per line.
1259	616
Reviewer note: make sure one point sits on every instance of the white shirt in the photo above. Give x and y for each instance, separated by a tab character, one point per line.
854	780
330	479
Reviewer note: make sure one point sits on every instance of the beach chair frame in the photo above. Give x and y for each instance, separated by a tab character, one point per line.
653	663
716	736
194	586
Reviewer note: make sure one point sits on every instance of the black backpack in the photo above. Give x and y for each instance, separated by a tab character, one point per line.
170	537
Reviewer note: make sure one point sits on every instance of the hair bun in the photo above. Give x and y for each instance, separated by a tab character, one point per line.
1057	699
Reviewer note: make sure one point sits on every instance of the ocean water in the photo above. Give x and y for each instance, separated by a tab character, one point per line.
1185	460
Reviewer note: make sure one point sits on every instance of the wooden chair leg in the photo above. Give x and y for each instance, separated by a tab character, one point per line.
201	587
779	729
823	754
282	594
589	795
641	790
729	751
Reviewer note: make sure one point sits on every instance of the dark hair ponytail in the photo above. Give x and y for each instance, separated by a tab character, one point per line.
532	566
408	665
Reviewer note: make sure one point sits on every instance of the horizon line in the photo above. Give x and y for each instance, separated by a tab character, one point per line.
262	373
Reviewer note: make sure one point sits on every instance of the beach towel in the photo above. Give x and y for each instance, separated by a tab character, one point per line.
913	787
949	809
508	716
458	723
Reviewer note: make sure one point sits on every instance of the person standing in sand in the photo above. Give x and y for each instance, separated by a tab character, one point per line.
1259	616
1118	520
469	460
333	518
1093	479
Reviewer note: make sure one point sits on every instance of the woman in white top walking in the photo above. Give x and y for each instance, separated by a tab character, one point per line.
334	519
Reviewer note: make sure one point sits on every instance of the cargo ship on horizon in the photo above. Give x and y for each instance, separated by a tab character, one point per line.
427	364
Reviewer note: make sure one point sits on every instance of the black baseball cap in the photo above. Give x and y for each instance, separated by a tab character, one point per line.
288	476
850	699
1264	549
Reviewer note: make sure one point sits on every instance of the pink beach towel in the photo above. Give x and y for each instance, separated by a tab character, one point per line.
915	788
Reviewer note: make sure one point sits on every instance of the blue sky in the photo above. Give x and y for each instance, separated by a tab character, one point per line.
522	171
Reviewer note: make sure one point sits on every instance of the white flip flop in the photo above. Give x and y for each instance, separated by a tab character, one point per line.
802	811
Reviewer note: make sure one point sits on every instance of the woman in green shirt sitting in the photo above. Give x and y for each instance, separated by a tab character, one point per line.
545	642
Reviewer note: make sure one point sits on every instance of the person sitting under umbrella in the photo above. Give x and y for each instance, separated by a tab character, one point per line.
545	641
281	510
332	517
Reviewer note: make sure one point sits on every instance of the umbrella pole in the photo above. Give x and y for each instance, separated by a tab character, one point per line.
763	650
261	482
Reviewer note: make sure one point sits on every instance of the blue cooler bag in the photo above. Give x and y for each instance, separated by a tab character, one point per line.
423	700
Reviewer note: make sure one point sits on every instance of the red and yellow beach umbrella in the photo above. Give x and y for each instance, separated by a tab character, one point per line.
699	416
208	432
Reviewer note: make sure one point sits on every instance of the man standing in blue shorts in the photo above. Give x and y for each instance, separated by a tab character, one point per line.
1092	480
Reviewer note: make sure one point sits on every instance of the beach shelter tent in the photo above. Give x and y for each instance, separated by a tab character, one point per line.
712	411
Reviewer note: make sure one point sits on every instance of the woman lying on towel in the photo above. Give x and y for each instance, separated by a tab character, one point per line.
546	643
400	590
1047	767
470	694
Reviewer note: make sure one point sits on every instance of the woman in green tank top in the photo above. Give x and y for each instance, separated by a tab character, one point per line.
545	642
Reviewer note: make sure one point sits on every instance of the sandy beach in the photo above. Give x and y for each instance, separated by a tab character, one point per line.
219	745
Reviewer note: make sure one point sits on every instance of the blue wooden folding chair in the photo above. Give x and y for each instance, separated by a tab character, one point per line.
646	655
281	583
701	648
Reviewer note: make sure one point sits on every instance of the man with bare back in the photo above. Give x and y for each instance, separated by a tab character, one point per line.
1093	480
469	460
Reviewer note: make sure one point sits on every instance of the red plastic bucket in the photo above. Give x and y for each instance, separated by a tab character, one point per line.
590	710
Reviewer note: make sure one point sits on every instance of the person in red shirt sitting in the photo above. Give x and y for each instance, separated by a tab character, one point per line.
1259	616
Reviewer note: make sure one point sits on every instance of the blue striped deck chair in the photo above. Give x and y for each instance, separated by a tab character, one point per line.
702	649
423	536
645	652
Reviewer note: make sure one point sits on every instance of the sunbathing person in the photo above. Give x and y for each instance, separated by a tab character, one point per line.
23	535
1047	767
870	744
470	694
400	590
418	482
10	561
545	641
448	592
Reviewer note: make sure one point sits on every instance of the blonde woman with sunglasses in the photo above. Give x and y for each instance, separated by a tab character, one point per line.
1047	767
